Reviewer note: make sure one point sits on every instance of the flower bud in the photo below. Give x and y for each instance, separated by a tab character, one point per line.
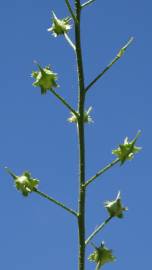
59	27
45	78
115	207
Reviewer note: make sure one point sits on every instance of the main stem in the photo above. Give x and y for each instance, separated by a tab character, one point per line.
81	101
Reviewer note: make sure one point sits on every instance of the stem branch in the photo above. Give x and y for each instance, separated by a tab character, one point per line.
81	139
64	102
42	194
71	11
98	229
119	55
69	41
106	168
87	3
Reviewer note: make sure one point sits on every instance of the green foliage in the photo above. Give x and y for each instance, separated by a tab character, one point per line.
127	150
101	256
45	78
115	207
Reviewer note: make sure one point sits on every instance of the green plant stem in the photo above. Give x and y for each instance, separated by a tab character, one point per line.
98	229
69	41
98	266
81	139
42	194
103	170
87	3
71	11
119	55
10	172
64	102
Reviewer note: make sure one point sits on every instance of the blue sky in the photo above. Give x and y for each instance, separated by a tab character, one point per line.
36	136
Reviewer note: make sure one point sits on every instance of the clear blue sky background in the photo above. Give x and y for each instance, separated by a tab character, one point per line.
35	134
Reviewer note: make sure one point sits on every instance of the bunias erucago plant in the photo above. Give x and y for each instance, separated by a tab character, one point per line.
24	183
45	78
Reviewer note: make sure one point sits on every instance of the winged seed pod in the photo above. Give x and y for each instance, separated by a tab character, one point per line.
101	256
45	78
115	207
25	183
59	27
127	150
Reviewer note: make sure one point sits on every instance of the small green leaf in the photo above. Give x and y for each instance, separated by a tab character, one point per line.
45	78
127	150
115	207
59	27
25	183
101	256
